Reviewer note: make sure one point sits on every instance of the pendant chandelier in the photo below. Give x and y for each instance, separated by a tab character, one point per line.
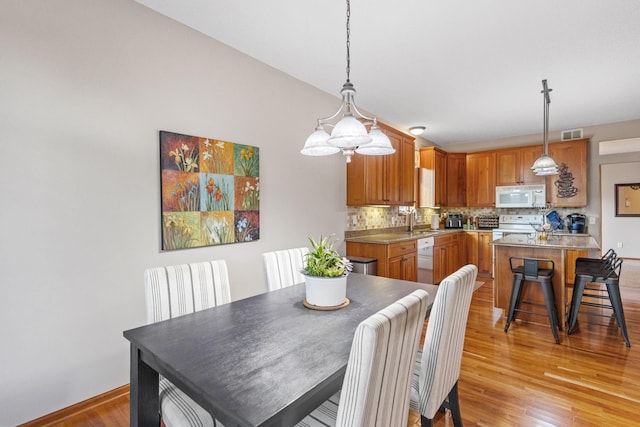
347	126
545	165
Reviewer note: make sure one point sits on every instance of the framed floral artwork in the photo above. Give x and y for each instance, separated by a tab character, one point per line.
210	191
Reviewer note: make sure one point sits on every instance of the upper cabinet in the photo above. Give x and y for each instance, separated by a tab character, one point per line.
481	179
383	180
456	179
514	166
433	177
569	187
443	178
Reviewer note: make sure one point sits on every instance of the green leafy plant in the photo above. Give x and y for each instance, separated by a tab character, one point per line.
324	261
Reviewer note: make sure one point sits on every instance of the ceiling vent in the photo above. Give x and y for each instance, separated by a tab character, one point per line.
571	134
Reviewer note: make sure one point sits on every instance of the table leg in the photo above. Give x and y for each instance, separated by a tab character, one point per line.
144	407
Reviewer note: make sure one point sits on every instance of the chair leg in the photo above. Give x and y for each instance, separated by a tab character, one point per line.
576	299
552	311
424	421
516	290
454	406
616	302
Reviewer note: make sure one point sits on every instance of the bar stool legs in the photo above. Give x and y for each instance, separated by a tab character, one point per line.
610	278
529	271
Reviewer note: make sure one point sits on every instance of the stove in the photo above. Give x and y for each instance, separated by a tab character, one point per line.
523	224
515	224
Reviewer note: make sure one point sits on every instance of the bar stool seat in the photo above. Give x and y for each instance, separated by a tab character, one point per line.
528	269
608	274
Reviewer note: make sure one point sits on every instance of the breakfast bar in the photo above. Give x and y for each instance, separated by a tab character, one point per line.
561	249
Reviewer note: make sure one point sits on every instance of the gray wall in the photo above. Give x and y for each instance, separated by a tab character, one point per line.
85	86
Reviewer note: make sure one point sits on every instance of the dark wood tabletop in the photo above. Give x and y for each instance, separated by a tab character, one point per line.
262	361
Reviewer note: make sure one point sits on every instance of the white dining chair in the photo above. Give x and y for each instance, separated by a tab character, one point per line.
376	387
174	291
437	369
282	268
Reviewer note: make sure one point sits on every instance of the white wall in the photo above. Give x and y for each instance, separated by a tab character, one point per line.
85	86
625	230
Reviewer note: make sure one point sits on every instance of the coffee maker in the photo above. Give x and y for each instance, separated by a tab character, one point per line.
577	223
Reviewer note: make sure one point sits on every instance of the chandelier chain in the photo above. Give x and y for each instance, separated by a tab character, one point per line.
348	39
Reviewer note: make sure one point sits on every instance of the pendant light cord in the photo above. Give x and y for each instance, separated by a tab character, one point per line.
348	42
546	101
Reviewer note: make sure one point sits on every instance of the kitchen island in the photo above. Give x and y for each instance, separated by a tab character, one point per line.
561	249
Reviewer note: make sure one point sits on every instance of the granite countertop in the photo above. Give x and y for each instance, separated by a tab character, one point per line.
387	237
554	241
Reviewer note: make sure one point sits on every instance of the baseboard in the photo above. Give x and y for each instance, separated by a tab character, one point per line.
73	410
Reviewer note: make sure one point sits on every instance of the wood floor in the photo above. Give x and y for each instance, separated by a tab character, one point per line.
519	378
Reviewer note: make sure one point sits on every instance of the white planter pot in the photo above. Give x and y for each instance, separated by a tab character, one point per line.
325	291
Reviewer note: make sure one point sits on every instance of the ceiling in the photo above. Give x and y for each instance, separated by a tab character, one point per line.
468	70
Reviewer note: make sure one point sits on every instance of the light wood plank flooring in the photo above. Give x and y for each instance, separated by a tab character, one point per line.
519	378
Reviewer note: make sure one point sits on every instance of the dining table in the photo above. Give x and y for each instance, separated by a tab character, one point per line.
266	360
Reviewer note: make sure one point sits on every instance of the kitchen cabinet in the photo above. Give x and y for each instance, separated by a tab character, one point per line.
433	187
479	251
481	179
514	165
569	188
448	255
383	180
395	260
456	192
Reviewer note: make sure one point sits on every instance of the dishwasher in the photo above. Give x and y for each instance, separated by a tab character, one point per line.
425	259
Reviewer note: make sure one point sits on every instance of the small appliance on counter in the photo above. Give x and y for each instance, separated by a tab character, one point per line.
576	223
435	221
454	220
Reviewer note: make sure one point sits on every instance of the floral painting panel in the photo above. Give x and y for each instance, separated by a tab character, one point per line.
217	227
181	230
216	156
247	226
210	191
246	160
180	191
247	193
179	152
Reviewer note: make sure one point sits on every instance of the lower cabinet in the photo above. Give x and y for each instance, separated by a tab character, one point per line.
395	260
448	255
479	251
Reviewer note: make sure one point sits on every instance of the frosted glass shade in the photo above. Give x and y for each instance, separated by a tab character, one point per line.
316	144
380	144
349	132
545	165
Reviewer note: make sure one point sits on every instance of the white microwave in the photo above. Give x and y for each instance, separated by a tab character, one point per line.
521	196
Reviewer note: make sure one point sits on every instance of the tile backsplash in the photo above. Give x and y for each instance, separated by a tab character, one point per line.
380	217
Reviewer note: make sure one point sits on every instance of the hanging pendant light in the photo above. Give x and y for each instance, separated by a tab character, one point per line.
349	134
545	165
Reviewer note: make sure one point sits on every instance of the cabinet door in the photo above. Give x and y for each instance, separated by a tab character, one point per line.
439	263
403	267
410	268
569	188
509	169
375	182
513	166
456	192
392	171
481	179
356	181
435	160
471	240
485	253
528	157
407	168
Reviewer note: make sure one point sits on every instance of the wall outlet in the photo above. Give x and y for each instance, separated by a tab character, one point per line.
619	245
592	220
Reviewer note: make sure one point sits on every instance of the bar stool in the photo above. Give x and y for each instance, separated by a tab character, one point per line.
529	270
607	273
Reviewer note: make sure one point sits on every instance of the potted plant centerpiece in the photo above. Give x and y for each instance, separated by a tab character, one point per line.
326	274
